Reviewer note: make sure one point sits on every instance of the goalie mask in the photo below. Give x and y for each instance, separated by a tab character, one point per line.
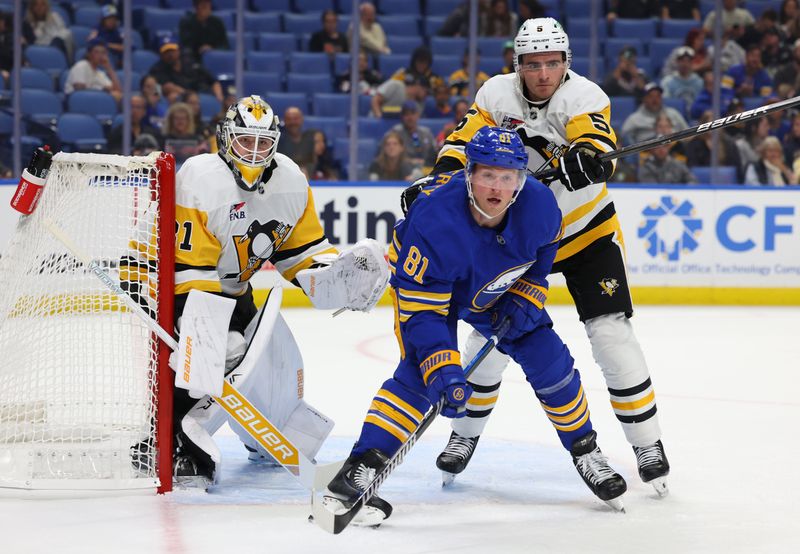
248	138
496	147
535	36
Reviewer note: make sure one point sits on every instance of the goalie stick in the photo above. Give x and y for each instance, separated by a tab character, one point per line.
232	401
336	523
691	132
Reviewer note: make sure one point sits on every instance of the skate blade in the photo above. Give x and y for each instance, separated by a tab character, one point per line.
194	483
616	504
448	478
660	485
367	516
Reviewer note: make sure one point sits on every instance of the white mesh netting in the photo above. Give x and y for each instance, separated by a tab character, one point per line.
77	369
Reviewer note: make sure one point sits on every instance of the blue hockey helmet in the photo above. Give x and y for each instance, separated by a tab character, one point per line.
500	148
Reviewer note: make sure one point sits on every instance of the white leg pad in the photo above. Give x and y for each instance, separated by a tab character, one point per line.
617	352
488	373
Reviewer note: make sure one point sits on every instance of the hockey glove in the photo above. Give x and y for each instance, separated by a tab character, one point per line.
448	383
410	194
580	167
524	312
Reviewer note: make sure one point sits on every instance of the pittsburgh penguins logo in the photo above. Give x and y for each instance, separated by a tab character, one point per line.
609	286
257	246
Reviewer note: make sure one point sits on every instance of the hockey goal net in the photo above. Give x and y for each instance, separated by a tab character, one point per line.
85	388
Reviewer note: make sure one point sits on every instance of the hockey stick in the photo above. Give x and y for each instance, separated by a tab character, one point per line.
335	523
232	401
691	132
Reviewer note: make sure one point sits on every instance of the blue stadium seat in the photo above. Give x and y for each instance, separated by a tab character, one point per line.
272	5
661	48
752	102
263	84
298	23
219	62
228	18
179	4
42	106
156	20
266	22
49	58
266	61
282	100
442	7
404	45
756	7
726	175
309	82
445	65
250	41
581	27
614	45
285	43
60	10
97	103
330	105
622	106
209	106
143	60
400	25
80	133
374	128
448	45
333	127
491	64
79	35
435	124
642	29
677	28
488	46
341	63
32	77
87	16
582	47
400	7
227	4
367	149
309	62
314	6
432	24
389	63
677	103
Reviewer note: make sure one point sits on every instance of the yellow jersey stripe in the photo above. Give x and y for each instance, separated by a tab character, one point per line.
578	213
571	417
386	426
587	238
419	307
207	286
482	401
393	414
400	403
418	294
567	407
635	404
576	425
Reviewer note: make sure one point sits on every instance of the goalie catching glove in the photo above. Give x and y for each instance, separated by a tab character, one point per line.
355	279
580	167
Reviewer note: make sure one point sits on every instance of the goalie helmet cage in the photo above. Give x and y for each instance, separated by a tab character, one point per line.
85	386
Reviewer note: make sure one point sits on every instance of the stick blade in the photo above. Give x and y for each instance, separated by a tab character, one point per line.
331	514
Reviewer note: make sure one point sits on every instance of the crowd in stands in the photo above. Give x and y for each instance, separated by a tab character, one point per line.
655	61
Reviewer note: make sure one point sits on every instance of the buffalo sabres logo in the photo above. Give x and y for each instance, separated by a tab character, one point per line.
609	286
257	246
490	292
458	394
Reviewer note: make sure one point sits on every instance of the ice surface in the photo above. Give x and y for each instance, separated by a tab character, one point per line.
726	382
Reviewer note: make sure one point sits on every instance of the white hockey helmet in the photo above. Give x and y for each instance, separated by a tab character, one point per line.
543	34
247	138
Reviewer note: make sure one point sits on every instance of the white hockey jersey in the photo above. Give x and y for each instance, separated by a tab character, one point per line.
579	111
225	234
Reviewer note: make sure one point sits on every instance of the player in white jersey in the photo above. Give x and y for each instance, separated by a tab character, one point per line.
236	210
564	122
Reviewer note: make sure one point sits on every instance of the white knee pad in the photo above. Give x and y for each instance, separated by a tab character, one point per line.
616	351
490	370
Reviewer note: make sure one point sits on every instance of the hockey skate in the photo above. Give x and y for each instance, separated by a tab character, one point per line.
653	466
260	456
354	477
455	456
593	467
192	468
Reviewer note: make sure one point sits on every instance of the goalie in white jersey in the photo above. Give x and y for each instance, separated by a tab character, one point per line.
564	122
236	210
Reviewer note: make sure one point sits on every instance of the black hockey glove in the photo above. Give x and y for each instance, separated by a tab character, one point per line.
580	167
410	194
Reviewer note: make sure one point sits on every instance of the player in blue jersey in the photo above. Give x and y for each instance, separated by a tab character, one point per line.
478	250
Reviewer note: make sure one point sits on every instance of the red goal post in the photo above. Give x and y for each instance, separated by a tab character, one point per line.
85	386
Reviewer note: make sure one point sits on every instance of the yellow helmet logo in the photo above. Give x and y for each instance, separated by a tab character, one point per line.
256	109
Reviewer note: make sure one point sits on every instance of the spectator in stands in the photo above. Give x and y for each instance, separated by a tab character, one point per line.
139	126
789	19
626	79
755	132
500	21
94	72
699	148
108	30
326	167
662	165
736	130
696	40
731	53
460	108
144	145
753	34
48	27
732	16
680	9
778	121
192	99
441	106
391	163
157	105
459	79
748	79
392	94
771	168
176	77
421	65
632	9
420	146
457	22
328	39
705	97
791	142
508	57
530	9
297	143
640	125
371	35
202	30
774	53
368	78
789	73
684	83
180	134
6	45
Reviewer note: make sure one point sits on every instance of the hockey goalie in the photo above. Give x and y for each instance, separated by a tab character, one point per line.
236	210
